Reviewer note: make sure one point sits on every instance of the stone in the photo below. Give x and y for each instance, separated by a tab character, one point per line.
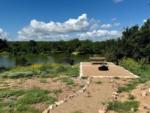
104	110
50	107
147	106
144	93
148	90
101	111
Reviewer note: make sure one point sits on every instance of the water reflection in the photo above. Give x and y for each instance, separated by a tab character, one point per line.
10	61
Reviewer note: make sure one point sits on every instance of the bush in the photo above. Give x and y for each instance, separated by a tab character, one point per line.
143	70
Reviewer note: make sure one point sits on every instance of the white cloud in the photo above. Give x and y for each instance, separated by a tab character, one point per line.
3	34
81	27
39	30
100	35
106	26
145	20
117	1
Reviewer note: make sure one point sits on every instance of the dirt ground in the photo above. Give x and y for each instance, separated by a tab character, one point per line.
88	69
42	83
142	94
98	93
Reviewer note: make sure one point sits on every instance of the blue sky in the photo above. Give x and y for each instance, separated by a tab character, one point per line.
67	19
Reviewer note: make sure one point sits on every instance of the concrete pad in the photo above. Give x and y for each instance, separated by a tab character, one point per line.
88	69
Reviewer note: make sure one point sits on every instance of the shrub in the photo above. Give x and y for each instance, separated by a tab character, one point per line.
143	70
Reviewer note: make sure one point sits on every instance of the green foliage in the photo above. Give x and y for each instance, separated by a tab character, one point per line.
68	81
73	71
56	92
6	93
143	70
53	70
35	96
21	101
134	43
131	97
123	107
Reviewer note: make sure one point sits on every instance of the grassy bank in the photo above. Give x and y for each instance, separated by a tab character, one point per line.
138	68
22	100
39	70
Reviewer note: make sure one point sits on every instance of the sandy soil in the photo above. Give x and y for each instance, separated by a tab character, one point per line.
93	99
42	83
142	94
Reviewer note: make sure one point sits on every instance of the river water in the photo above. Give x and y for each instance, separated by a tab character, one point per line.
10	61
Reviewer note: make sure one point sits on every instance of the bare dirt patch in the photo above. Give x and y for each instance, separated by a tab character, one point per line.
93	99
142	94
55	86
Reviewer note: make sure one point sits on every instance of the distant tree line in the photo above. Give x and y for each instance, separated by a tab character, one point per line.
134	43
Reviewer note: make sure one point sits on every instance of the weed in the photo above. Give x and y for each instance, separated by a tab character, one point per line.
122	107
98	82
68	81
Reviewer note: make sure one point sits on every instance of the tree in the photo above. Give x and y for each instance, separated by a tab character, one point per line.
3	45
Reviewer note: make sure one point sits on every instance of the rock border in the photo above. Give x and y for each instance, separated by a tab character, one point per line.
58	103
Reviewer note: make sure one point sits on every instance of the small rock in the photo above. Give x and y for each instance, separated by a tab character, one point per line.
147	106
144	93
149	90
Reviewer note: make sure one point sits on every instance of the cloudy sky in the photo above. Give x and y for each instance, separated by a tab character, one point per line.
52	20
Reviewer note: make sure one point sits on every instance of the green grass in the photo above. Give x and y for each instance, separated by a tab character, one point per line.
35	96
39	70
124	107
43	80
56	91
140	69
68	81
21	101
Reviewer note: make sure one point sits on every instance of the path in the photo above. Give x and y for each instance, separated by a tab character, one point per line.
91	97
91	100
